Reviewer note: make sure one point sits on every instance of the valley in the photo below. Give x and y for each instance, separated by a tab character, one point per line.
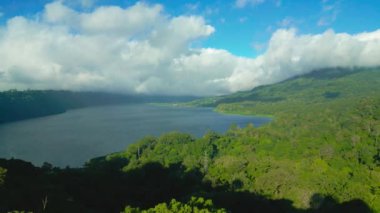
320	153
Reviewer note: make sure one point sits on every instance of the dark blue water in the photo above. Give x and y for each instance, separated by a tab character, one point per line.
76	136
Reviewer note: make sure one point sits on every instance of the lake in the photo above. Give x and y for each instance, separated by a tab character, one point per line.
72	138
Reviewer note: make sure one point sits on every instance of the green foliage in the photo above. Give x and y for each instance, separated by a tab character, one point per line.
20	212
324	139
317	87
2	175
321	153
327	152
195	205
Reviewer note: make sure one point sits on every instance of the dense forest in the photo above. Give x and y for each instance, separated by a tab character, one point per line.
321	153
19	105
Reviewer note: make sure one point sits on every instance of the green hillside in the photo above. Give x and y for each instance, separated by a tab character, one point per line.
319	87
324	140
320	153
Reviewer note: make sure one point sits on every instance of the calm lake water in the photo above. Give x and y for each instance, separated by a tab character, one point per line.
76	136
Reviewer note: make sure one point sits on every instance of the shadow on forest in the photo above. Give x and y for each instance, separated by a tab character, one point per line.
102	187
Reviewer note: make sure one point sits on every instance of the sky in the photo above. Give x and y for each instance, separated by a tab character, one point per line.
180	47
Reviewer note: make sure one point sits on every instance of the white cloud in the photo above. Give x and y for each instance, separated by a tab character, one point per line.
140	49
192	7
209	11
107	20
289	54
243	3
110	48
330	11
259	46
85	4
243	19
287	22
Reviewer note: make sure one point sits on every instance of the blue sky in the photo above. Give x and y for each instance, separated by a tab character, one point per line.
180	47
244	30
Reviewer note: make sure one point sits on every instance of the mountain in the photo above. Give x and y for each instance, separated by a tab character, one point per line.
323	141
320	153
18	105
320	87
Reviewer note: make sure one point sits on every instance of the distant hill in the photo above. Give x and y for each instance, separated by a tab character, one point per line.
18	105
320	153
318	87
322	145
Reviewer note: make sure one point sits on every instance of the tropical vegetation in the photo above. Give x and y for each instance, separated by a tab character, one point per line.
320	153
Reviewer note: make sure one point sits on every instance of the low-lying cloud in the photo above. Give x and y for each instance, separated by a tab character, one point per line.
141	49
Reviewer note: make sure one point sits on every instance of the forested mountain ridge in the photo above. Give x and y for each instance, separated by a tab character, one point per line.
321	153
317	87
324	140
19	105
